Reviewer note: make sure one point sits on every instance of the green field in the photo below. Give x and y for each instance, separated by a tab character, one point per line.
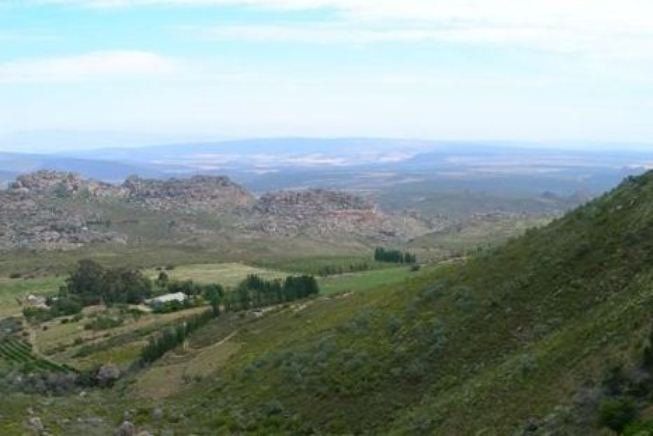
226	274
18	353
365	280
316	264
12	289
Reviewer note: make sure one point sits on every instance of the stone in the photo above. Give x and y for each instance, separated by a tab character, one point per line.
126	429
35	425
108	374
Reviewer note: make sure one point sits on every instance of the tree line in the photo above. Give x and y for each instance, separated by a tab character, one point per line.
254	291
172	337
330	270
394	256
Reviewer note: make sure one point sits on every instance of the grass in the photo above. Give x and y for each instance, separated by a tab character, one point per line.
12	289
315	264
19	353
226	274
73	344
487	232
365	280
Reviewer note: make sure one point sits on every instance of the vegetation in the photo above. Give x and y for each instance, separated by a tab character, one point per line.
91	283
18	353
173	337
549	333
254	292
394	256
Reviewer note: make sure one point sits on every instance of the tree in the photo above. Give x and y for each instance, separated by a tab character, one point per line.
86	282
163	280
214	293
92	284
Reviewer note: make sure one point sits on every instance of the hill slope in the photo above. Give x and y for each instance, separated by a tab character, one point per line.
520	339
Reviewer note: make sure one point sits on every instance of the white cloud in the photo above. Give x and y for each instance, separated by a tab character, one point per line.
541	38
95	65
607	28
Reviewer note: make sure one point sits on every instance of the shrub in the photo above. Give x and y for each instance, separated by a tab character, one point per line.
36	314
616	413
104	323
15	275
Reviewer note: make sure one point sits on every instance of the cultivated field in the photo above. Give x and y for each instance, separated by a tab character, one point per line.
226	274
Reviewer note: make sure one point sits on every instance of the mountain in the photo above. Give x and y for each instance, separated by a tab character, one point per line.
59	210
376	164
13	164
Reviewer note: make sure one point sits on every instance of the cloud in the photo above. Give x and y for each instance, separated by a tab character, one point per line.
89	66
605	28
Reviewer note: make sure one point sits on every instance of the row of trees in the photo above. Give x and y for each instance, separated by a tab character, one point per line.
330	270
172	337
394	256
255	291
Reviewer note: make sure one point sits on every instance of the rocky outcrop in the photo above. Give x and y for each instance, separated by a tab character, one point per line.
29	218
61	210
61	184
57	210
329	214
197	193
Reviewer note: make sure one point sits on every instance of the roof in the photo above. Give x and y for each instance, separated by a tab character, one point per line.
177	296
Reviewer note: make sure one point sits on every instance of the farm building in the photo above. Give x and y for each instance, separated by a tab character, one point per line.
36	301
179	297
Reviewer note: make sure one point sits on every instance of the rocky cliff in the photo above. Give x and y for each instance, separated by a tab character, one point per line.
330	214
33	213
57	210
197	193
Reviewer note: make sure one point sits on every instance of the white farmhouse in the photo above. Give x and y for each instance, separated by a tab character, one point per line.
179	297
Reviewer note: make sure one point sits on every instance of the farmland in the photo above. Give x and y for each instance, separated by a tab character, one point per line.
15	352
11	289
226	274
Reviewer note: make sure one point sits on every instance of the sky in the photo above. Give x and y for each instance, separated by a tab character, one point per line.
168	70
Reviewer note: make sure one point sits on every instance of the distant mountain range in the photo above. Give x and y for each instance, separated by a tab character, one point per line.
369	164
13	164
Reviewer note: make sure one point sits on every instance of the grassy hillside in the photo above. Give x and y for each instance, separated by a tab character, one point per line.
509	341
549	333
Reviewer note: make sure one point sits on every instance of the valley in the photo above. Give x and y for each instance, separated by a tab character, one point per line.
523	316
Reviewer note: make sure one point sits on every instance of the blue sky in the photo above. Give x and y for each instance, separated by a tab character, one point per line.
163	70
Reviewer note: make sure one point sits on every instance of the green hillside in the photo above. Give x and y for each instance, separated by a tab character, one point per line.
509	341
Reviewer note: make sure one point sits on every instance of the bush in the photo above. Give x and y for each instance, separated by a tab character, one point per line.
36	314
617	413
15	275
104	323
172	306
